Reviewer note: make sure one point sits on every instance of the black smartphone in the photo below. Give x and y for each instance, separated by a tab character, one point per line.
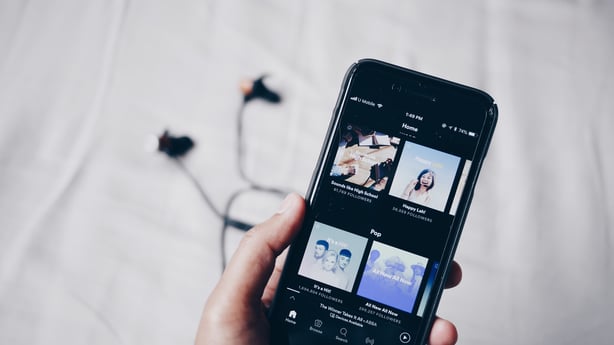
385	209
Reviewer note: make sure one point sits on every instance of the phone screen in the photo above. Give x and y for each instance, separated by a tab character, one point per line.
385	210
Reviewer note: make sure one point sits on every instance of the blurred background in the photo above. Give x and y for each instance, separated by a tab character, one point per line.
102	242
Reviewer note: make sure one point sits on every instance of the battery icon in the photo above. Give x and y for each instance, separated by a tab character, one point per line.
471	134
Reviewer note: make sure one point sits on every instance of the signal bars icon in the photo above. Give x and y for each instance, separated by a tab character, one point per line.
367	102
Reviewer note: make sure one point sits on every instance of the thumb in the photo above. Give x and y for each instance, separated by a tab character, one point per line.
250	267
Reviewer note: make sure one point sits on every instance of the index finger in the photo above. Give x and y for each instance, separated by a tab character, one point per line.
454	275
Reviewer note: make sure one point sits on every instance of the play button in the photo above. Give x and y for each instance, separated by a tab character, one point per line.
405	337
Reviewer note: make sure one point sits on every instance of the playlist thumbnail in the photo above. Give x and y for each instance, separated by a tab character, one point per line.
332	256
392	276
424	176
364	157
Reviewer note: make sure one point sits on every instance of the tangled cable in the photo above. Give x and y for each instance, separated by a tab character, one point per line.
175	147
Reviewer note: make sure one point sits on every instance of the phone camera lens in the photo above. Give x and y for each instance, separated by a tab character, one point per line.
398	87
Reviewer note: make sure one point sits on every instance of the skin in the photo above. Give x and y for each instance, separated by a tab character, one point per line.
343	261
319	251
235	313
426	180
329	262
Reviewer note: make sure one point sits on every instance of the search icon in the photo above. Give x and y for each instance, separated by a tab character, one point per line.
343	331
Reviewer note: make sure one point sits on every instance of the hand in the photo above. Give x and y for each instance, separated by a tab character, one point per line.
235	313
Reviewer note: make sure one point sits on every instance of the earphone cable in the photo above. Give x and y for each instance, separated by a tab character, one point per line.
223	215
199	187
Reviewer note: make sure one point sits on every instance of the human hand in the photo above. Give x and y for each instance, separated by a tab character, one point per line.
235	313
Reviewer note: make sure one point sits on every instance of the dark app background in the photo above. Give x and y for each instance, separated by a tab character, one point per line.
398	242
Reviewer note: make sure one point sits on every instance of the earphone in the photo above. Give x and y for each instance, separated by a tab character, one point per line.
175	147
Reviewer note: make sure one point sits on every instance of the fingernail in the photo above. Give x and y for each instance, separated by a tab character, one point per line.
285	205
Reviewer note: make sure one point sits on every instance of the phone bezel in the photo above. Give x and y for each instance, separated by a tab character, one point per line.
436	87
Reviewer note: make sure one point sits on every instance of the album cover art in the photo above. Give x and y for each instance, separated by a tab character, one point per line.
332	256
365	157
424	176
392	276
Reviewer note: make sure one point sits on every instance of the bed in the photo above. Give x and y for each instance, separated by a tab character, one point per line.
103	242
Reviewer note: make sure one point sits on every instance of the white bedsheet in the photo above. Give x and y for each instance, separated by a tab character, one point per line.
103	243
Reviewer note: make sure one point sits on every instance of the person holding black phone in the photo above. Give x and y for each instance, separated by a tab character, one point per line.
235	312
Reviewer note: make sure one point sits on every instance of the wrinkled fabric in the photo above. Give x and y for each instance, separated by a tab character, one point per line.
102	242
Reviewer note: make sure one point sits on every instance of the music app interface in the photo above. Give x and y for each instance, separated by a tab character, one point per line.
381	218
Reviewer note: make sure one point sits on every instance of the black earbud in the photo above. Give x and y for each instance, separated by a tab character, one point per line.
257	89
174	146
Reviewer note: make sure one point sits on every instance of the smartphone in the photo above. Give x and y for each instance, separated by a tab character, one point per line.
385	209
